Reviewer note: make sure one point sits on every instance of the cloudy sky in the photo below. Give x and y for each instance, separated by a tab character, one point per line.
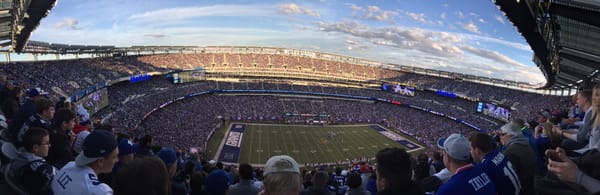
472	37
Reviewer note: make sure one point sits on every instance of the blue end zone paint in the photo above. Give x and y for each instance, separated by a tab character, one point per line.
397	138
231	149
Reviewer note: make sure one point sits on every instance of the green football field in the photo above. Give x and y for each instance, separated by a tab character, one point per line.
311	144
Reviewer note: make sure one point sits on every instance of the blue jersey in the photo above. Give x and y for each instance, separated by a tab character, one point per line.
468	180
501	171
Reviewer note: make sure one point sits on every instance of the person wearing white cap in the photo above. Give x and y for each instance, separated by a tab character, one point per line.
520	154
282	176
99	155
466	179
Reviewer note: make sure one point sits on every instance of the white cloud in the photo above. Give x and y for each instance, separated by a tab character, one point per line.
493	55
482	20
477	38
471	27
443	15
499	19
293	8
354	7
373	13
69	23
420	17
155	35
460	15
182	13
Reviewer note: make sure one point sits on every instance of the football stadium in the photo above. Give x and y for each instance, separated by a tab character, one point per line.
319	97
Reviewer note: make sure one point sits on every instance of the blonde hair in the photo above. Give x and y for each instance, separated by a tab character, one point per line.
282	183
596	106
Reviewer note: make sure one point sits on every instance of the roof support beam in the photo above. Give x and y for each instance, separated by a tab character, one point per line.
582	15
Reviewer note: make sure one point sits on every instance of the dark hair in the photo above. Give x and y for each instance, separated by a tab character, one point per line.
394	165
482	141
146	175
437	156
43	104
245	171
63	115
33	136
104	127
146	141
354	180
320	179
197	183
587	94
219	165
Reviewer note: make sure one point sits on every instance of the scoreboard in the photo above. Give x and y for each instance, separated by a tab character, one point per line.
186	76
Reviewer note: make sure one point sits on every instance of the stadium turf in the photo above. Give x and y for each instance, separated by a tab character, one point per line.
311	144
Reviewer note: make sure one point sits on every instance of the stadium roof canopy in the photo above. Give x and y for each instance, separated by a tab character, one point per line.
564	36
18	18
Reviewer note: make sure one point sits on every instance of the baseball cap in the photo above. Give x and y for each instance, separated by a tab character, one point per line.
281	163
217	182
167	155
36	92
456	145
126	147
96	145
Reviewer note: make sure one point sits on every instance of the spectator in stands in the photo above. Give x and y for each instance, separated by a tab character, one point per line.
520	154
126	152
145	147
531	138
99	155
394	173
566	170
437	161
246	185
42	118
422	168
146	175
467	178
197	183
355	185
84	122
169	157
319	186
372	184
217	182
579	139
27	110
494	164
61	138
32	172
545	138
12	102
281	176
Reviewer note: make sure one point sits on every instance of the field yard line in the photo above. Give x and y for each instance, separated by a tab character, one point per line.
251	142
320	149
220	148
302	149
283	138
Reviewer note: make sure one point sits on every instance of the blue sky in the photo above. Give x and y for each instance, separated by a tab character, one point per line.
472	37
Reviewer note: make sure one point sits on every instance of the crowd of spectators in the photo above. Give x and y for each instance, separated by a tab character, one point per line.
188	123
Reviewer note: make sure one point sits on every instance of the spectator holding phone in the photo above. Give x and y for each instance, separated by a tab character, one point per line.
567	170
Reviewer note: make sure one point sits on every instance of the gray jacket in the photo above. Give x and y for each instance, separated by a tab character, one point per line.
243	188
524	161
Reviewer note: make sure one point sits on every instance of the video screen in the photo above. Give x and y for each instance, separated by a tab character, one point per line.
494	111
94	101
399	88
187	76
